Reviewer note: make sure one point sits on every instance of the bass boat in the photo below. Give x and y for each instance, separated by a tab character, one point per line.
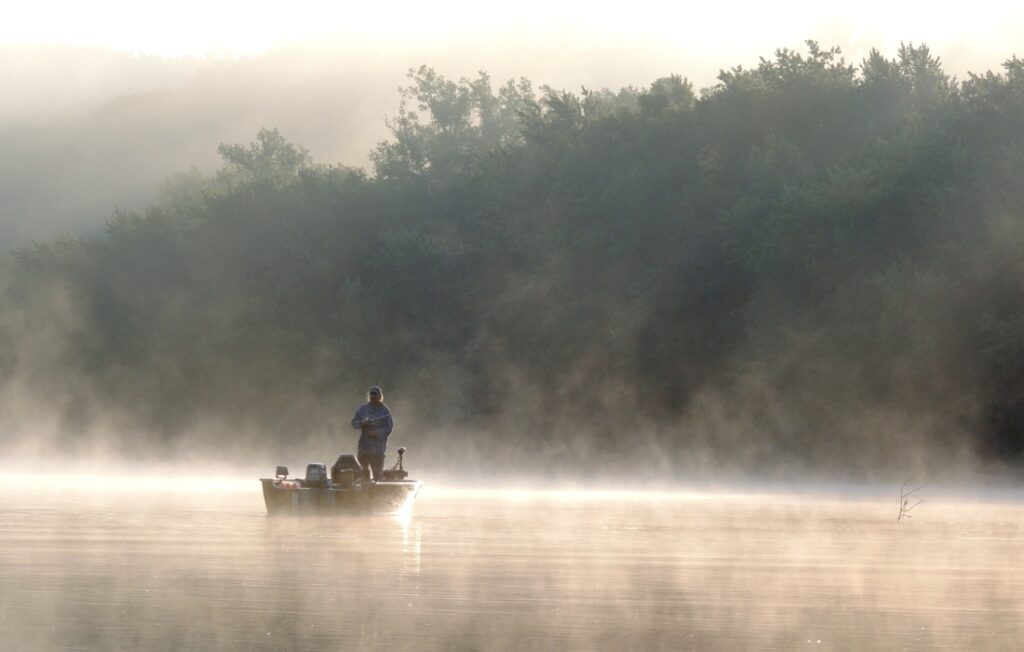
348	490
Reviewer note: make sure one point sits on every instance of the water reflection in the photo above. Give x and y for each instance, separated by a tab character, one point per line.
518	571
412	541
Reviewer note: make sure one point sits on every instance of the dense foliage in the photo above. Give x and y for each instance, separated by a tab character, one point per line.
810	261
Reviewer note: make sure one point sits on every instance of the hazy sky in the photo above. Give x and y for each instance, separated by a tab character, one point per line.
972	37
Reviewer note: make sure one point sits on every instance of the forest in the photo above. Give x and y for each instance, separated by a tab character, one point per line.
812	263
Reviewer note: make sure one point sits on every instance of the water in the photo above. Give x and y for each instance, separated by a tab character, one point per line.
206	569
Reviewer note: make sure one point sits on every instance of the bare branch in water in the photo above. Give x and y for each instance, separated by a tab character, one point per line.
905	497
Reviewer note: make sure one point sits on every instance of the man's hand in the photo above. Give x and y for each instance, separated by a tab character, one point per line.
365	422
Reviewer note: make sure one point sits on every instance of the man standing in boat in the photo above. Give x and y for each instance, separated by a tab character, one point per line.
374	419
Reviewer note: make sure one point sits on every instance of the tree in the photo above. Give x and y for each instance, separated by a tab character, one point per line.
269	158
444	128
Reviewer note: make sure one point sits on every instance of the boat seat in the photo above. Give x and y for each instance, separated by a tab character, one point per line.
346	463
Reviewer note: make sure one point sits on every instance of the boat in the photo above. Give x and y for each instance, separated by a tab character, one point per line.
348	489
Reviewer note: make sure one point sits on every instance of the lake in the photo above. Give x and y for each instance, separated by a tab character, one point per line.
199	566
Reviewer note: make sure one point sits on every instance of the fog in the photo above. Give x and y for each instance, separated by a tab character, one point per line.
670	310
246	342
86	130
203	569
98	117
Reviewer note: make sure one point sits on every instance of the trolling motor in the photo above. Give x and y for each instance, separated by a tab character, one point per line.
397	472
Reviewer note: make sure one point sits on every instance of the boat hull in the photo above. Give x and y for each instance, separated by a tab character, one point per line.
359	498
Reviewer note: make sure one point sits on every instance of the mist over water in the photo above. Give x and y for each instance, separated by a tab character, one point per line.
193	568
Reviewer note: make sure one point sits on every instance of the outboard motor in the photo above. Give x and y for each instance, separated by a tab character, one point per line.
316	475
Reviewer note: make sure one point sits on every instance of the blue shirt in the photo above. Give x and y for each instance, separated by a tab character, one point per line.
375	436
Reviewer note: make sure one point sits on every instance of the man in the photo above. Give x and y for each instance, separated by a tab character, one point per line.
374	419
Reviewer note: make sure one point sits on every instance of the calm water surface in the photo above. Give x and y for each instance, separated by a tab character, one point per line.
208	570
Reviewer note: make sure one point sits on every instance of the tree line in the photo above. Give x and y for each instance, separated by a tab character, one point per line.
811	260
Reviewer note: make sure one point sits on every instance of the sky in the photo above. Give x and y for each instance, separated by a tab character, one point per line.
975	35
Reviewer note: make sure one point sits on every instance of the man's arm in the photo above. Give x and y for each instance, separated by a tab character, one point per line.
389	425
357	421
